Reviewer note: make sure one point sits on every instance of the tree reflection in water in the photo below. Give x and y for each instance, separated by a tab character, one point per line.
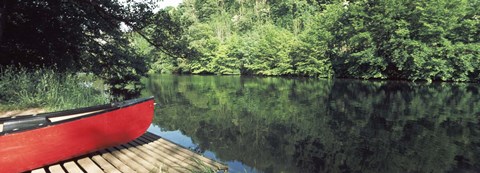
312	125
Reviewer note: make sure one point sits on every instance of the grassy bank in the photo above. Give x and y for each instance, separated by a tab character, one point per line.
43	88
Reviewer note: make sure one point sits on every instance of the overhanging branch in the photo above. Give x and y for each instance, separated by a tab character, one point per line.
105	15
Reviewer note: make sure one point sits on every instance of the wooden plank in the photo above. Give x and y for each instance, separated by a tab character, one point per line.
170	149
181	150
61	118
116	162
105	165
194	157
148	153
158	158
139	159
71	166
88	165
131	162
142	158
171	159
56	169
191	154
39	170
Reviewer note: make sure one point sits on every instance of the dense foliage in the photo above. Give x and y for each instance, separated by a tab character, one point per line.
406	39
70	35
308	125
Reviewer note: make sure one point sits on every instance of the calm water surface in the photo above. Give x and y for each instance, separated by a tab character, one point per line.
310	125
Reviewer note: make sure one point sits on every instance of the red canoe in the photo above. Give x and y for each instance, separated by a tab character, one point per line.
33	141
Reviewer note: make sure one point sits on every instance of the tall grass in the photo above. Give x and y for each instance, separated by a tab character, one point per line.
44	88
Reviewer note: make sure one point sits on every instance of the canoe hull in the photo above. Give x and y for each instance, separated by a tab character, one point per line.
43	146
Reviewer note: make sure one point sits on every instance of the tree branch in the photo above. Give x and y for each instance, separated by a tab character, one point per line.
105	15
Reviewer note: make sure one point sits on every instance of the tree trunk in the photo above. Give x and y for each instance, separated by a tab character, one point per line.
3	15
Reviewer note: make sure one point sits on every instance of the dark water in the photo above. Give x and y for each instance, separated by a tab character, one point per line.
311	125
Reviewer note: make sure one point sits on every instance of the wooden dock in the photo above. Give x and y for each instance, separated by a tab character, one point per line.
148	153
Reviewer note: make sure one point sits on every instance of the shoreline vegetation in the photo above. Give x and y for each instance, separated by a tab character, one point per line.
399	40
432	40
48	90
26	111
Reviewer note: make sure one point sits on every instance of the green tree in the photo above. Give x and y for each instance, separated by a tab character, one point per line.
73	36
406	40
271	52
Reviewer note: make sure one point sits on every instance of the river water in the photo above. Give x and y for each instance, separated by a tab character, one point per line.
267	124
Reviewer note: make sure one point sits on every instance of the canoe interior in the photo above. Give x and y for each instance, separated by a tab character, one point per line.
20	123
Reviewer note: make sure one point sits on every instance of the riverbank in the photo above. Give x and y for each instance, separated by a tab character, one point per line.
23	89
21	112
